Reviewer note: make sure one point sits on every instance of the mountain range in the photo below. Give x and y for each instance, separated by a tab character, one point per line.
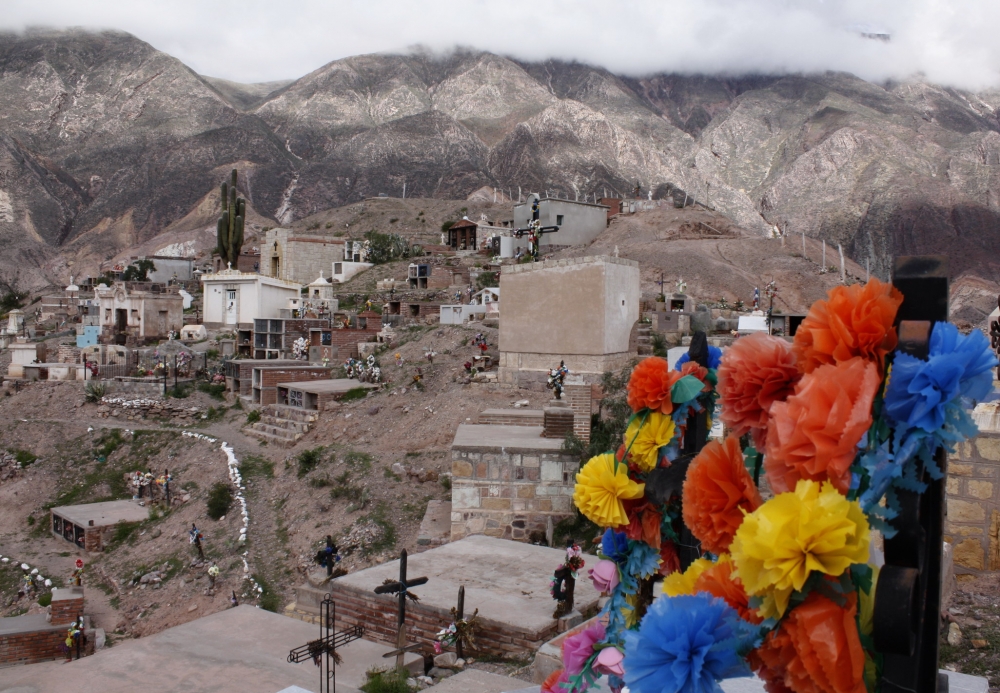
106	143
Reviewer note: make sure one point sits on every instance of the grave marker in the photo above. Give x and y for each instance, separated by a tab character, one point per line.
400	587
327	645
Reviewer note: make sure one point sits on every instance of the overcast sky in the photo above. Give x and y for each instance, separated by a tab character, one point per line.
948	41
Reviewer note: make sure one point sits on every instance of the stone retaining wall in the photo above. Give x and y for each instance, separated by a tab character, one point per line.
509	493
972	523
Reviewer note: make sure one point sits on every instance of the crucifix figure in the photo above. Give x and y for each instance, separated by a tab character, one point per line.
323	650
661	283
401	588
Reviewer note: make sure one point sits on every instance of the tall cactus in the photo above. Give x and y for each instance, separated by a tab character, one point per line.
230	227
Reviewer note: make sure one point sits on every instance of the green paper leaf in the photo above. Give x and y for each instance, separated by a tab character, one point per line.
686	389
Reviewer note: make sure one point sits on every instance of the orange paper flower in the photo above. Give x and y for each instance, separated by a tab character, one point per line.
755	372
814	434
817	648
717	491
649	385
720	582
854	320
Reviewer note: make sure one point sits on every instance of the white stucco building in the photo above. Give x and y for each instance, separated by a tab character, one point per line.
233	298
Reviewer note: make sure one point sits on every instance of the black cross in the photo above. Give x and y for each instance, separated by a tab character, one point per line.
908	593
661	283
400	587
459	615
326	644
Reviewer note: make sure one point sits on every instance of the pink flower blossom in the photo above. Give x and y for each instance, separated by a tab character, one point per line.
578	648
604	575
609	662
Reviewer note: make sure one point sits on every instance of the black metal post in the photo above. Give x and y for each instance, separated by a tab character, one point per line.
401	616
908	594
166	485
460	614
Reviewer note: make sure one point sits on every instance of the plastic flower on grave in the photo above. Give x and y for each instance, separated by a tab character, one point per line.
686	643
719	581
614	545
645	436
677	584
958	367
554	682
817	648
578	648
609	662
814	433
650	384
779	545
600	489
718	492
756	371
604	575
854	320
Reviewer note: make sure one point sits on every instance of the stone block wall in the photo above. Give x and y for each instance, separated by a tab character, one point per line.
509	493
580	398
972	524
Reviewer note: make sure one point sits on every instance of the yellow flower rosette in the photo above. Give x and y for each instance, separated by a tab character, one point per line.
678	583
600	489
778	546
645	436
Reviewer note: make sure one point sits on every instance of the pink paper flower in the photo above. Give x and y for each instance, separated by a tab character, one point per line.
604	575
609	662
578	648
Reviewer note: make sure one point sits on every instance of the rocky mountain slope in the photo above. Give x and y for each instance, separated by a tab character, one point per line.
107	142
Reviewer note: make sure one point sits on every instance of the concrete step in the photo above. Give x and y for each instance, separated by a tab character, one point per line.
286	424
281	411
278	440
289	433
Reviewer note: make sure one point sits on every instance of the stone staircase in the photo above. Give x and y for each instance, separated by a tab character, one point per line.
644	339
281	425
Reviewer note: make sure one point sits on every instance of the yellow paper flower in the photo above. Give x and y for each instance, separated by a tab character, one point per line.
781	543
646	437
680	583
600	490
629	612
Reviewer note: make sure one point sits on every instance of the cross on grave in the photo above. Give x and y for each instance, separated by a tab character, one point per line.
459	615
400	588
327	645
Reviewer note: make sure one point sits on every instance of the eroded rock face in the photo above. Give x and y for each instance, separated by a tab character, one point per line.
105	142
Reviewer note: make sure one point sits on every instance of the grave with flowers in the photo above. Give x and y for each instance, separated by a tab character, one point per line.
762	560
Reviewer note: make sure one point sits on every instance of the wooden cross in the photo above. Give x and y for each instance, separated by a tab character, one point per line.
323	651
400	588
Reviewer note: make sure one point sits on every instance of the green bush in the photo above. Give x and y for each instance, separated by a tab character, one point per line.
94	392
179	392
256	466
387	681
45	599
220	498
212	354
354	394
24	458
213	390
253	416
309	460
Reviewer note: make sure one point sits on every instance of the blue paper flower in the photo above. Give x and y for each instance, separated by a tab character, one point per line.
685	644
714	358
614	545
643	560
956	372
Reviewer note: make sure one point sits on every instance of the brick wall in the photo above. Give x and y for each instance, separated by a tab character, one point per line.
509	494
377	613
270	377
67	605
972	524
580	399
68	354
32	646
